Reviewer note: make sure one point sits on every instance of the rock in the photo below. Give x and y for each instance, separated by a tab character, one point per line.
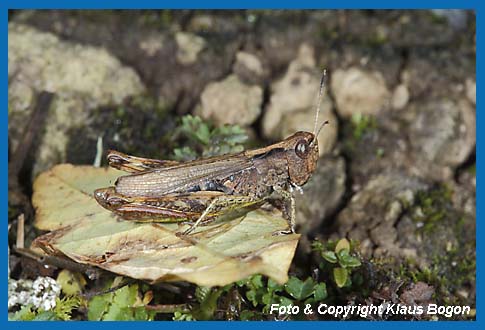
372	214
82	78
442	132
471	90
400	97
358	91
434	75
249	68
305	121
293	102
322	195
189	46
250	62
151	48
231	102
464	192
457	18
151	44
430	139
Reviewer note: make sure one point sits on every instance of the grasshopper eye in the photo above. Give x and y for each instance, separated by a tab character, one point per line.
301	149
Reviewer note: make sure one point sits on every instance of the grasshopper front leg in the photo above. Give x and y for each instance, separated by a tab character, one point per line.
288	203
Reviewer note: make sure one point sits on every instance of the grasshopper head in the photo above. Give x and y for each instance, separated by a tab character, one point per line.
302	156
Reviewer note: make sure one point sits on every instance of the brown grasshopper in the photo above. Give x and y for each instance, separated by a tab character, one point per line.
201	190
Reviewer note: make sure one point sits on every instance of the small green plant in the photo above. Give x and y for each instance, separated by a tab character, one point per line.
124	304
61	312
362	124
265	292
432	206
257	294
338	258
203	139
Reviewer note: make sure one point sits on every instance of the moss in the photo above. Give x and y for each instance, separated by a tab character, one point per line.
139	126
449	244
431	207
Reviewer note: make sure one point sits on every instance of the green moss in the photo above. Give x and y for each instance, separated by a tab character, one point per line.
448	244
431	207
139	126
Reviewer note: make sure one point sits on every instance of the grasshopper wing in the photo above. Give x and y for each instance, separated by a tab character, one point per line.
134	164
182	177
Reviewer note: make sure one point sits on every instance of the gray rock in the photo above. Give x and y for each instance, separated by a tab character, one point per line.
82	77
457	18
305	121
231	102
322	194
152	49
442	134
400	97
250	62
373	213
293	102
249	68
429	139
358	91
189	46
471	90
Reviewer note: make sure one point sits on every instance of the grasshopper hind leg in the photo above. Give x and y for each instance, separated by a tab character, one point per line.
201	218
219	204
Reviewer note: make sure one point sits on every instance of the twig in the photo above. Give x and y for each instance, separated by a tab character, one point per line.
91	272
20	242
35	124
168	308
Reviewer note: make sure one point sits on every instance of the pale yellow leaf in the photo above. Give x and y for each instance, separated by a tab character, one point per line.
216	254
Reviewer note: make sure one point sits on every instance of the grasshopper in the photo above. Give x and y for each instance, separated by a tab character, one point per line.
201	190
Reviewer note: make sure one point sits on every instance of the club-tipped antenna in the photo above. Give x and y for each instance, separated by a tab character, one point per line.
321	126
320	95
319	102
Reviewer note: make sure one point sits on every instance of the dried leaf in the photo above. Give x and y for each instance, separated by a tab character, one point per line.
218	254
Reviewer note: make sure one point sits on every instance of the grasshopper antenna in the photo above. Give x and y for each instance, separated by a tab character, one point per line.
319	102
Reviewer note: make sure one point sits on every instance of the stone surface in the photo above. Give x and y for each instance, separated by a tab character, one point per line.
250	62
231	102
359	91
443	132
82	78
189	46
321	195
305	121
293	102
471	90
400	97
372	213
249	68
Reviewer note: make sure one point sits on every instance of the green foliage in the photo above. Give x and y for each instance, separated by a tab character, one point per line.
362	124
62	311
24	314
260	293
339	259
65	306
203	139
432	206
265	292
123	304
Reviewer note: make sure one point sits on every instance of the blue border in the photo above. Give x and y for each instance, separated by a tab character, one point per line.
256	4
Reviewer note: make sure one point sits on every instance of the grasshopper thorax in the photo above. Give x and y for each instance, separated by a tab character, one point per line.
301	156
